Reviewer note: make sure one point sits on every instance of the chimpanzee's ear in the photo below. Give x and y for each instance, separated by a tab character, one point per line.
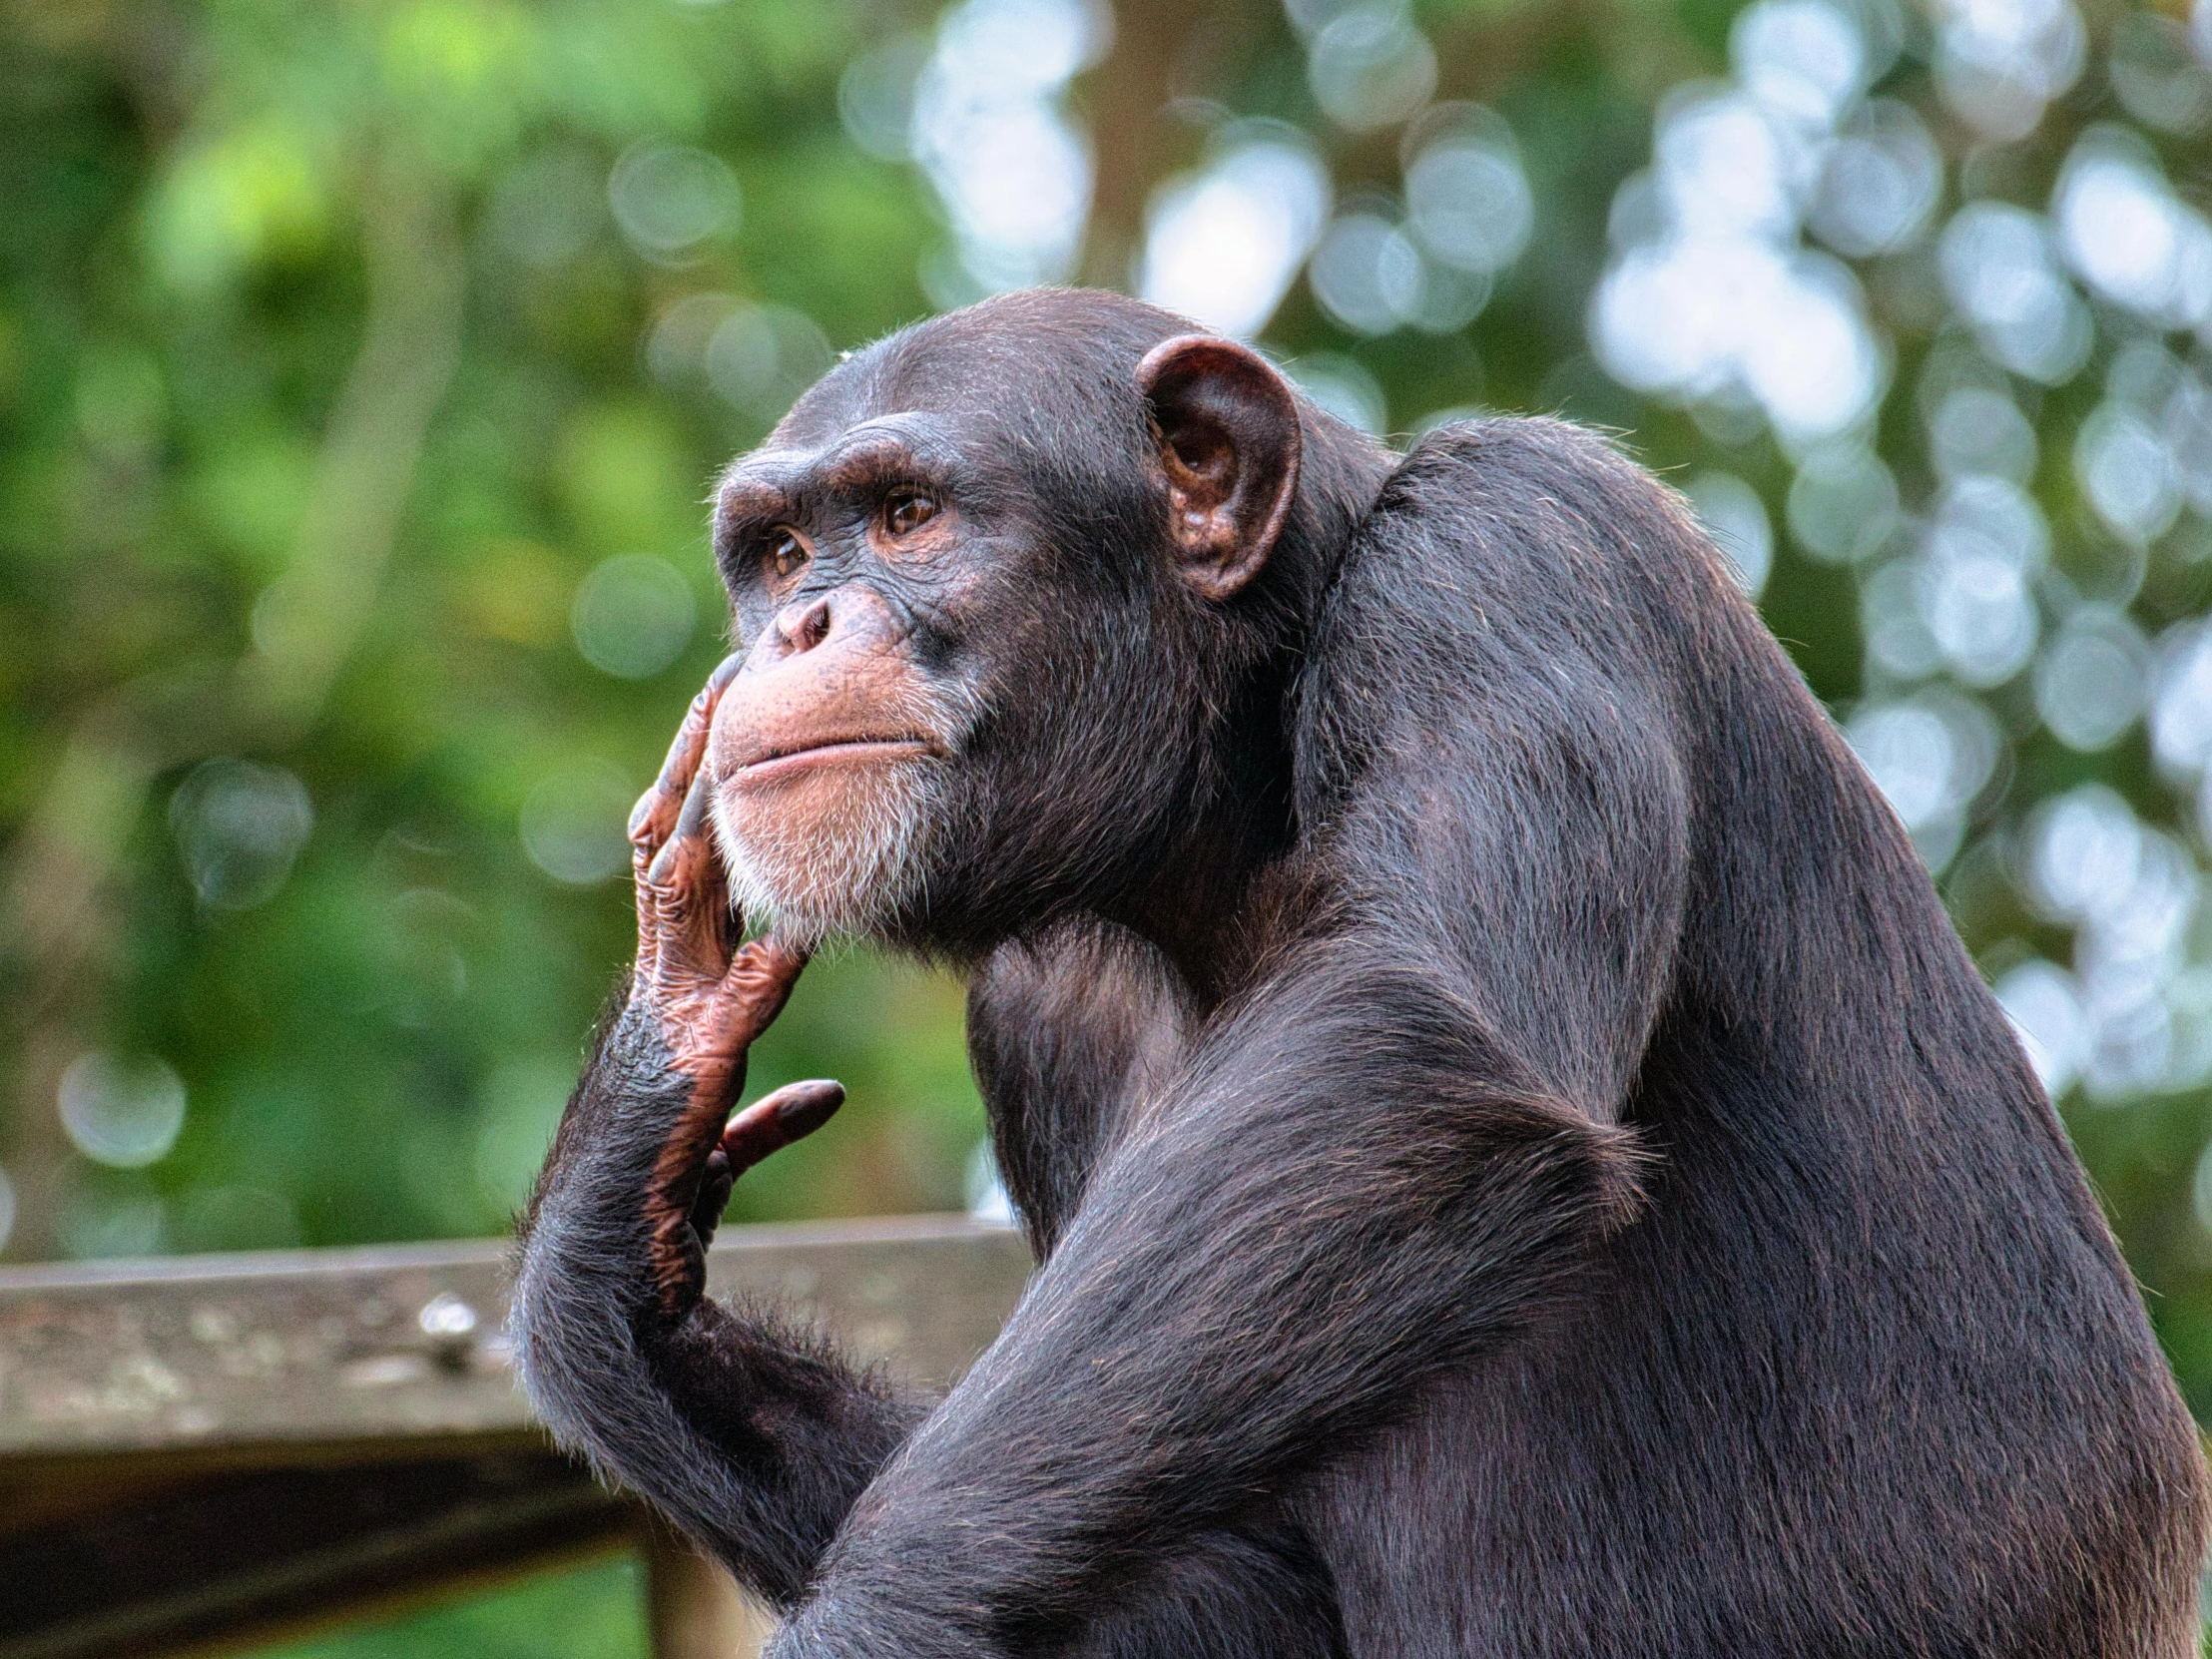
1227	428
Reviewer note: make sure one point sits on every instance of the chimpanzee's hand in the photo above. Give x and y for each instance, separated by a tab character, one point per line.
706	997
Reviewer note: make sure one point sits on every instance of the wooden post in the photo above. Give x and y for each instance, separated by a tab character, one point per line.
695	1609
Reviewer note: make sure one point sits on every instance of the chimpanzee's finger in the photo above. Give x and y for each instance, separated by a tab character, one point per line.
684	898
754	985
655	814
689	835
774	1121
715	1184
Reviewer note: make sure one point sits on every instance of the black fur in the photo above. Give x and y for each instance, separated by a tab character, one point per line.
744	1431
1522	1164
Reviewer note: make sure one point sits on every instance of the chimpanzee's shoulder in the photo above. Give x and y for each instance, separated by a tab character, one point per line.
1514	572
1529	524
1532	470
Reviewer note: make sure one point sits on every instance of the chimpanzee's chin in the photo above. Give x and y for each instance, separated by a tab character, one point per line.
814	878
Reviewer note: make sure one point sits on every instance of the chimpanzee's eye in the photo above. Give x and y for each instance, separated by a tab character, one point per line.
785	553
907	511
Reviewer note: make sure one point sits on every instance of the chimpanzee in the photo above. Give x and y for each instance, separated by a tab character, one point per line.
1519	1161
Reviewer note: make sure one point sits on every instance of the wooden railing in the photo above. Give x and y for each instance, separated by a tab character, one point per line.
198	1453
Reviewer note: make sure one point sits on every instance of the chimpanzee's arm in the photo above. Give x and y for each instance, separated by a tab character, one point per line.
753	1439
751	1436
1353	1189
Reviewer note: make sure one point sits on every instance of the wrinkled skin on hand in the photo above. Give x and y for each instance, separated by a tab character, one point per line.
707	996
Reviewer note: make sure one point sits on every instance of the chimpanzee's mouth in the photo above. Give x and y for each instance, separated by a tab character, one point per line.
786	763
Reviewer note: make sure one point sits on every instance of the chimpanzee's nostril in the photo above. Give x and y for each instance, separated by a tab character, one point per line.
808	628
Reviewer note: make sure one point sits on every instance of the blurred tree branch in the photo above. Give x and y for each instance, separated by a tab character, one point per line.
306	623
1161	50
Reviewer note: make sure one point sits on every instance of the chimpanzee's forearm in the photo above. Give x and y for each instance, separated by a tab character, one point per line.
1354	1195
751	1436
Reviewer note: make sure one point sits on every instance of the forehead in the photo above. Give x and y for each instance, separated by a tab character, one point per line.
960	400
916	444
854	431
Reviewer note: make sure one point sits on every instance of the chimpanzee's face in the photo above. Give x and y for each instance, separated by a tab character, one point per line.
862	565
969	592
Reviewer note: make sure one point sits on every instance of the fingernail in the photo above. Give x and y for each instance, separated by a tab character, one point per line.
698	802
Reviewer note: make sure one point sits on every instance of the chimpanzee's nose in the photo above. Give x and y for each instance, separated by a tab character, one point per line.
822	631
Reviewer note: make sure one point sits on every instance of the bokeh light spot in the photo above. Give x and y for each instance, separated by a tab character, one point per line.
575	821
632	616
239	826
669	198
122	1112
1223	244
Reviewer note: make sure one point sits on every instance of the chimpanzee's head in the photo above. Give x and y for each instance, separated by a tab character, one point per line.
1005	584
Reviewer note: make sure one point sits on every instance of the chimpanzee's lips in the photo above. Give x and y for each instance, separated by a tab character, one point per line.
779	763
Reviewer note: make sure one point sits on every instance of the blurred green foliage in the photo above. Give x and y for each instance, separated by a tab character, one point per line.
592	1613
321	394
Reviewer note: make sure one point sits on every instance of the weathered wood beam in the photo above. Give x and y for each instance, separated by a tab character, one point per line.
200	1452
694	1610
405	1341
